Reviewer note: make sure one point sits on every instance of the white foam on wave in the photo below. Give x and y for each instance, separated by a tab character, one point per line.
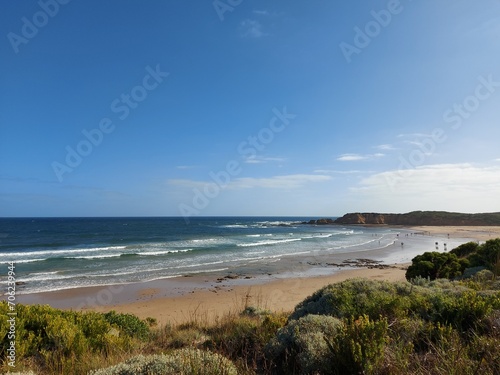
164	252
244	226
318	236
277	223
27	260
270	242
104	256
44	276
60	253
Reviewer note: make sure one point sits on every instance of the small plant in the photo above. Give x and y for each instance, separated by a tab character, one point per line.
359	346
301	347
128	323
179	362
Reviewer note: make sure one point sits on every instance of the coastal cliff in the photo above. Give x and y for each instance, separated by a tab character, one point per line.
416	218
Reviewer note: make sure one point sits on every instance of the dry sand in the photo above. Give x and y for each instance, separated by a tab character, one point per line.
279	295
478	233
202	298
207	297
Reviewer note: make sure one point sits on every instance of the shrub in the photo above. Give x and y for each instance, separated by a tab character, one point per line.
129	324
357	297
436	265
60	341
301	346
488	255
359	347
465	249
453	264
237	336
179	362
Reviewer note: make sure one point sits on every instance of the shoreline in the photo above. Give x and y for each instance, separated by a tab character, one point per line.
207	297
179	300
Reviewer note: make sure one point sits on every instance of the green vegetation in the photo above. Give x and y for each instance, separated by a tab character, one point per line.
64	341
420	218
358	326
434	265
179	362
303	344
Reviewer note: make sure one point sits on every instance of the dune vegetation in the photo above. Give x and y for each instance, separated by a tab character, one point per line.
359	326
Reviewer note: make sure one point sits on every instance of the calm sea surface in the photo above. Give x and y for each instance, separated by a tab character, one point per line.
62	253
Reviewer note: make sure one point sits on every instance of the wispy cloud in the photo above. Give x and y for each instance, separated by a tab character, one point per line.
288	182
263	159
261	12
359	157
386	147
251	29
414	135
280	182
333	171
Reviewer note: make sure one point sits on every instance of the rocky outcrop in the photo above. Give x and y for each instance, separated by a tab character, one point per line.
419	218
320	222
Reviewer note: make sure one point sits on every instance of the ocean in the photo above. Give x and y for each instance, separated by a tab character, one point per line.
61	253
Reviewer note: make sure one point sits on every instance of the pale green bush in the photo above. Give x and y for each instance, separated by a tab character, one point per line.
353	298
301	346
179	362
359	346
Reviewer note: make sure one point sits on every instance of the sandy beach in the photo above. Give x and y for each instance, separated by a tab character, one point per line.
478	233
209	296
176	301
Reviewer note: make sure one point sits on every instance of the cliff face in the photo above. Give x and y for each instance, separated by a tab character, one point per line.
421	218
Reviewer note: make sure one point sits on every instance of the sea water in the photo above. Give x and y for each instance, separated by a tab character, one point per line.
62	253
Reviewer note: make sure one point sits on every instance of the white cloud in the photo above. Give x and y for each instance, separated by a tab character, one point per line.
333	171
261	12
451	187
293	181
386	147
359	157
251	29
279	182
351	157
262	159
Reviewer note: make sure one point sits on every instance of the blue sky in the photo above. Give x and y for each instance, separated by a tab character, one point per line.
166	108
